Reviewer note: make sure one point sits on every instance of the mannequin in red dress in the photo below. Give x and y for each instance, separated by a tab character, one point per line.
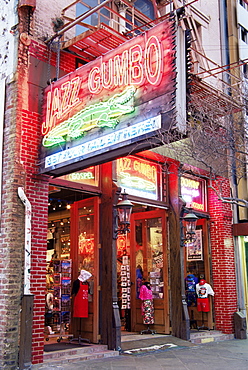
80	290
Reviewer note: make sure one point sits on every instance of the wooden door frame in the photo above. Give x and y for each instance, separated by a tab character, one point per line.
94	201
165	302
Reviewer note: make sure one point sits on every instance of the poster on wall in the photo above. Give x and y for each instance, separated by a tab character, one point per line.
194	249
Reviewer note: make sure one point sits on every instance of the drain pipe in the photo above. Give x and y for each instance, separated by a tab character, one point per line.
27	260
26	319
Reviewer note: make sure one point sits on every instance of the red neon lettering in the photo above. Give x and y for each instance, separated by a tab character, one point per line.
55	111
65	106
94	81
60	102
74	94
136	65
107	82
121	69
45	125
153	61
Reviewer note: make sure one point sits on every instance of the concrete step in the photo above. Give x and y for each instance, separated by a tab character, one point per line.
80	350
80	357
80	353
206	336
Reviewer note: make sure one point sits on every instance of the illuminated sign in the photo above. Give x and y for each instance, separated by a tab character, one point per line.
138	177
104	142
193	192
89	176
138	64
109	99
99	115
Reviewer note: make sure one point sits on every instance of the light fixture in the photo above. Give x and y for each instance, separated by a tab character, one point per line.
122	215
190	220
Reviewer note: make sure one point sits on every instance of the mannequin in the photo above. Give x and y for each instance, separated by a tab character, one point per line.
203	290
80	290
147	307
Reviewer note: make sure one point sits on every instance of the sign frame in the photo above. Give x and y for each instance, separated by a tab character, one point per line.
134	104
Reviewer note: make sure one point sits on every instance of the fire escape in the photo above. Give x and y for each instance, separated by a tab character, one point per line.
104	27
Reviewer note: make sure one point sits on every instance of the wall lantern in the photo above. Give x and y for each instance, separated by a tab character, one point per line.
190	224
122	215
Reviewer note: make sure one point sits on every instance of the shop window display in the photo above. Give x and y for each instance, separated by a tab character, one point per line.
149	255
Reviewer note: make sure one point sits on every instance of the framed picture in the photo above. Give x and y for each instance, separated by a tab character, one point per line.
194	249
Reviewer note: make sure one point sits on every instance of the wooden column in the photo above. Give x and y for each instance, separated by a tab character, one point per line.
179	322
109	310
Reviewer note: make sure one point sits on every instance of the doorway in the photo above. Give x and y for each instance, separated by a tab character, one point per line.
144	253
84	254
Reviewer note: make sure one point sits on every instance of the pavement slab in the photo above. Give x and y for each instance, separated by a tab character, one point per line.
226	355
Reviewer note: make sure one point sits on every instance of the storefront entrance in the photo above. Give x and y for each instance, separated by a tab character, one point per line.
142	255
73	246
84	254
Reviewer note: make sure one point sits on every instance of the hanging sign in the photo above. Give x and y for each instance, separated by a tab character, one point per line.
193	192
111	103
138	177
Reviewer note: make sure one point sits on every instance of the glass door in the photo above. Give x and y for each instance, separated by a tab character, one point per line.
149	262
84	255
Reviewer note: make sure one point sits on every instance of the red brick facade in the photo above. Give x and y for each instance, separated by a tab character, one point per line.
20	168
36	188
223	263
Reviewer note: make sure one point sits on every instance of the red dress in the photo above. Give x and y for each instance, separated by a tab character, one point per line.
80	308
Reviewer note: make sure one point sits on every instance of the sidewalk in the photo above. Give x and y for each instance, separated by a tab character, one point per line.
176	354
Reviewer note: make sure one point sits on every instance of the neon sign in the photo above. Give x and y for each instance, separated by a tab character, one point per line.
88	176
109	99
60	102
104	142
134	66
192	192
138	177
104	114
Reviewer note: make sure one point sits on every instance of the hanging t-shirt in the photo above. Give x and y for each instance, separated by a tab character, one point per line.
190	290
204	290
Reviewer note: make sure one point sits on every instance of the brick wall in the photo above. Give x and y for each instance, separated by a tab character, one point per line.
37	192
223	263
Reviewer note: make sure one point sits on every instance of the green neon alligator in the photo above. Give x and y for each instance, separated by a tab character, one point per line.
104	114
